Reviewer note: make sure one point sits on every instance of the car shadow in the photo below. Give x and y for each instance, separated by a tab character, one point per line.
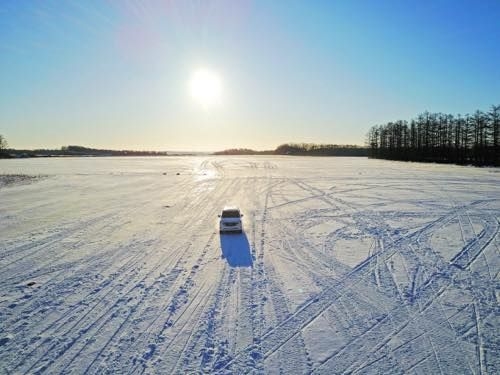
236	249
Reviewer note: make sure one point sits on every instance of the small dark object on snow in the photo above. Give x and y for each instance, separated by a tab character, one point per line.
166	206
31	283
177	173
164	173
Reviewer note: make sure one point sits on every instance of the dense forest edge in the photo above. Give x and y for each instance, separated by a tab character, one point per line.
441	138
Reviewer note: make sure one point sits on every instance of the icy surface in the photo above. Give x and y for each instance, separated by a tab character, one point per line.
346	265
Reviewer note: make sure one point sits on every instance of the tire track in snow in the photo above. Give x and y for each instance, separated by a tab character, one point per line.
122	281
251	318
160	349
211	339
106	221
203	338
91	322
172	307
73	227
474	248
182	292
413	255
279	335
298	357
423	263
130	311
169	313
364	223
56	326
37	248
48	267
439	305
316	196
414	322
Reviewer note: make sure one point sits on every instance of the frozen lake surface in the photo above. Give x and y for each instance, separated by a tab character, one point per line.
346	265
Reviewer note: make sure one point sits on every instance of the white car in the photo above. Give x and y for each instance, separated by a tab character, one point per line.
230	220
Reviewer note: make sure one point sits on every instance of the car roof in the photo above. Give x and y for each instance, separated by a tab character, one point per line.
230	208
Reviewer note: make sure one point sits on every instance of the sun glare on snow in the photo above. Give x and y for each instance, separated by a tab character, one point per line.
206	88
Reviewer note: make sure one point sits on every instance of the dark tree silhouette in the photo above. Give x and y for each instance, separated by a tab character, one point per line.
313	149
303	149
494	122
3	144
437	137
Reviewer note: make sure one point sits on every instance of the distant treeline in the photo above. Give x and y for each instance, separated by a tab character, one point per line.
79	151
313	149
303	149
243	151
437	137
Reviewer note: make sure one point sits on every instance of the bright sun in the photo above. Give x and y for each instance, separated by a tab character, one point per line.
205	87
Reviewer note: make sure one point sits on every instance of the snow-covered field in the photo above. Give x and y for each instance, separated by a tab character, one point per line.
346	265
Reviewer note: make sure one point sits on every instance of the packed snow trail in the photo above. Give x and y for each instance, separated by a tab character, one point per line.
346	265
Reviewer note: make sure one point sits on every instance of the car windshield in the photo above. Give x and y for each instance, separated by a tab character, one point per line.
230	213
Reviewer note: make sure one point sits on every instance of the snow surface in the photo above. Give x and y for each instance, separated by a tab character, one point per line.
346	265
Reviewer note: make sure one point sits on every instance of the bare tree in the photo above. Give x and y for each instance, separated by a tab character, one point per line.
3	144
494	117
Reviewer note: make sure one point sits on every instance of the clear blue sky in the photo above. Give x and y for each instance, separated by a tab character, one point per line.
116	74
